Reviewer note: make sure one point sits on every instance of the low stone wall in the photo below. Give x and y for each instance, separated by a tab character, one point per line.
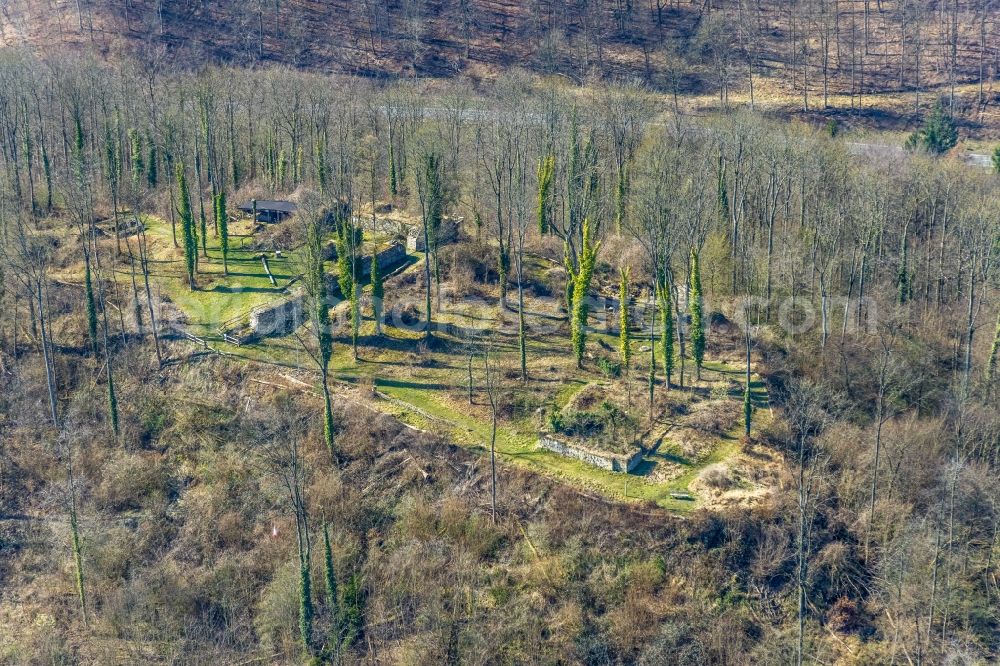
609	461
279	318
389	257
384	225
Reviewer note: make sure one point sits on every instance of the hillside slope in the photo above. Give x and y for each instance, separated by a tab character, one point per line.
807	50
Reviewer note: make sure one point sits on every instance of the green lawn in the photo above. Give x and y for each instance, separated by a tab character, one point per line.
219	297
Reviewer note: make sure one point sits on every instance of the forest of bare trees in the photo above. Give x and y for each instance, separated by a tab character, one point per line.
866	285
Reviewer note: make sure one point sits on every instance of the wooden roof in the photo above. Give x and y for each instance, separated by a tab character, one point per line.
268	206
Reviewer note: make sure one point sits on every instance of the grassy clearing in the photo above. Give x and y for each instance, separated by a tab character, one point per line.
428	386
219	297
432	398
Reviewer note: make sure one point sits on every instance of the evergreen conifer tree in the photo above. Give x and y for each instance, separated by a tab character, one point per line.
938	135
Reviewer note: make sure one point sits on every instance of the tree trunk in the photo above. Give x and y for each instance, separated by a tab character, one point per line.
46	354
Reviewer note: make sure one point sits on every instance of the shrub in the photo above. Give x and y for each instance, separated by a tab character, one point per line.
517	405
717	476
131	481
842	615
471	263
154	421
278	611
556	423
582	424
647	575
610	368
579	423
719	391
717	416
409	315
540	287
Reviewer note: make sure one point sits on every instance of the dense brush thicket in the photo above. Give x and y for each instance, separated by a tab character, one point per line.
162	507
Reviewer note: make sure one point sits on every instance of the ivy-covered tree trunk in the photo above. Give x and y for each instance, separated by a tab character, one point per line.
88	289
546	173
903	277
152	176
332	602
305	606
429	190
47	168
667	332
378	293
135	150
621	195
203	222
747	404
393	184
188	232
222	220
503	273
994	357
355	317
652	353
581	285
747	410
624	319
74	531
695	306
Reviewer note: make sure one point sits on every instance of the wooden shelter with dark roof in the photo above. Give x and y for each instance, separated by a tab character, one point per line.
268	210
